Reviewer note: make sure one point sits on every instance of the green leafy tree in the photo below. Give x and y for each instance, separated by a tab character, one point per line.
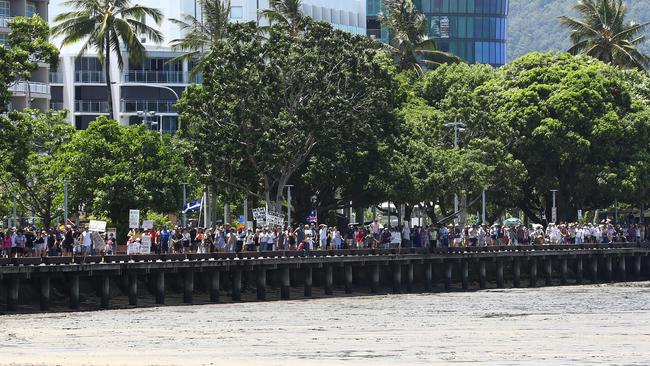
562	116
113	168
32	173
266	104
27	45
409	42
202	32
107	25
603	33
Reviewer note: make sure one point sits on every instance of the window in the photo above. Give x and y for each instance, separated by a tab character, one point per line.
31	9
5	9
236	12
3	39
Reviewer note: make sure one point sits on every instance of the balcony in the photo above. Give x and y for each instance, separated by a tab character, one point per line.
158	106
89	77
155	77
56	77
4	21
30	88
91	106
56	105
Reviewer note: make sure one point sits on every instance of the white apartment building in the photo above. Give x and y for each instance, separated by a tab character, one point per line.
36	92
150	88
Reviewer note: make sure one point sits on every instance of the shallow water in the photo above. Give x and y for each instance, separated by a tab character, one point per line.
574	325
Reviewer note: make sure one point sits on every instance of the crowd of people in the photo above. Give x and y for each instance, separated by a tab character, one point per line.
73	240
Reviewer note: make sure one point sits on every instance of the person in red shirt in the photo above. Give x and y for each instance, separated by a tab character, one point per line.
361	235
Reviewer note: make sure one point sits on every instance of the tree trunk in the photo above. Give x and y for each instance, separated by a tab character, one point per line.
107	71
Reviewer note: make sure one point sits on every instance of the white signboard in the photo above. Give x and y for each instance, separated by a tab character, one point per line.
145	244
259	214
274	218
134	219
133	248
554	214
147	224
97	226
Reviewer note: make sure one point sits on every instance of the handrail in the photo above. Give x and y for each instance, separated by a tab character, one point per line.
117	258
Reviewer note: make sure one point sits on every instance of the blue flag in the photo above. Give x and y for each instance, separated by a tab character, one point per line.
193	206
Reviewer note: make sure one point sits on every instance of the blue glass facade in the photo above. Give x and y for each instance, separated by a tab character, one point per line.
475	30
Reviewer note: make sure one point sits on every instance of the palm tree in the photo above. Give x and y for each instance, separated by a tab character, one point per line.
409	42
604	34
202	32
104	25
288	12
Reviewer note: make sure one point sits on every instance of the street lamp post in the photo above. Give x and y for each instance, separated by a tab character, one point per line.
483	208
288	204
145	114
554	209
15	218
184	203
65	201
458	126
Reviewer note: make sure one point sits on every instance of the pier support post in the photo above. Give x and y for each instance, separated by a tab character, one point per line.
594	269
465	273
409	277
533	272
516	272
579	270
45	293
160	287
348	278
622	275
637	267
608	268
548	271
13	293
482	275
564	267
106	291
188	287
285	290
500	273
428	276
374	285
261	283
133	289
74	291
397	278
308	281
329	279
236	284
215	285
448	270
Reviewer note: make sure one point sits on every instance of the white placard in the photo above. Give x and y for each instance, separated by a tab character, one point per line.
259	214
133	248
134	219
145	244
395	237
97	226
147	224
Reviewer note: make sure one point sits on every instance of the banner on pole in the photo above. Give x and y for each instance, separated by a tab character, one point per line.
97	226
134	219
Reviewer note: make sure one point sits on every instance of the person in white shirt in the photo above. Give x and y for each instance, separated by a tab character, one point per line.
264	239
337	240
86	241
323	237
270	241
406	234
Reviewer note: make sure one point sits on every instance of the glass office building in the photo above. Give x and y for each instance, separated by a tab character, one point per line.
475	30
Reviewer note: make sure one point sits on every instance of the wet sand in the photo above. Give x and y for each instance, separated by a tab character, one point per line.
573	325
